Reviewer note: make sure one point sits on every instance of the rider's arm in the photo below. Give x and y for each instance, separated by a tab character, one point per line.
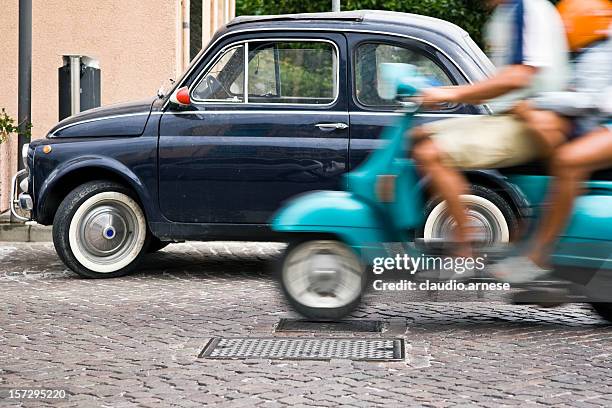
508	79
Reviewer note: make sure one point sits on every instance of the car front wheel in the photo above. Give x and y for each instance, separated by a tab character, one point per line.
100	231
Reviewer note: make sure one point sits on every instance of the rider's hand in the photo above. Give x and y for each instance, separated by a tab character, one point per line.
436	96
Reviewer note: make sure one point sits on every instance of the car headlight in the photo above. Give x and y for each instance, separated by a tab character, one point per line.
24	154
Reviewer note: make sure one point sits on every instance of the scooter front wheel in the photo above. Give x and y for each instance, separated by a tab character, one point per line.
322	279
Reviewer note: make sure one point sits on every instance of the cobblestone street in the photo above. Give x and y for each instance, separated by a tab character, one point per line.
135	341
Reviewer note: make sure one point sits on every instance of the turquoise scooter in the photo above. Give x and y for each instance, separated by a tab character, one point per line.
335	236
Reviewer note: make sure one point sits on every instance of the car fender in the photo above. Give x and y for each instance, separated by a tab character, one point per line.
498	182
69	167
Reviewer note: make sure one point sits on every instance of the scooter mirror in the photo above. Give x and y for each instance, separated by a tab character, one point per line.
396	79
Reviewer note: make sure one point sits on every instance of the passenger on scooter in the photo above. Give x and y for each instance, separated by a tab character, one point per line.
527	43
581	117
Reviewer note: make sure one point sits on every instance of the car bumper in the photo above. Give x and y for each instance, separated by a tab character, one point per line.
21	202
25	202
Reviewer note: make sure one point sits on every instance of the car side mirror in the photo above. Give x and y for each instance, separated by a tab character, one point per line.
181	97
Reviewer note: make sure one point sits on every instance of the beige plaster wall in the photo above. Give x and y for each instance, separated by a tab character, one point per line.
137	42
8	91
134	40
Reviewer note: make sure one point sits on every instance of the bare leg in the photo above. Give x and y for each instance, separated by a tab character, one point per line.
570	166
549	129
446	182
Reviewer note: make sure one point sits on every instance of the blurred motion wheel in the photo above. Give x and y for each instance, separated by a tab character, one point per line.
322	279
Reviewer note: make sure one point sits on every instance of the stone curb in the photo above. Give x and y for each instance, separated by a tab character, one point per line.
25	233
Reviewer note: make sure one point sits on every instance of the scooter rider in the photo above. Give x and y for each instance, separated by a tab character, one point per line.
587	108
527	44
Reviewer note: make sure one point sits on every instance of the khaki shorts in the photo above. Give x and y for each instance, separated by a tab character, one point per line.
484	142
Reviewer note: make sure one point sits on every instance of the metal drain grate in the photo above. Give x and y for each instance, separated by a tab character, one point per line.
344	326
304	349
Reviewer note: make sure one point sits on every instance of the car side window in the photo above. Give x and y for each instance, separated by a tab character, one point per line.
224	81
282	72
292	72
370	56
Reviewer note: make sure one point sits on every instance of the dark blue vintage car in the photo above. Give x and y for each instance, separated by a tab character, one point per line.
275	106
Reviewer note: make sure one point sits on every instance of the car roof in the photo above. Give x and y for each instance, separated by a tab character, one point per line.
392	21
458	45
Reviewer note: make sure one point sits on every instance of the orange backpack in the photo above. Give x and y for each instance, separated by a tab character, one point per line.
586	21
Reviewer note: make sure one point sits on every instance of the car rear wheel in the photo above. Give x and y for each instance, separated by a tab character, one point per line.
322	279
604	310
100	231
490	218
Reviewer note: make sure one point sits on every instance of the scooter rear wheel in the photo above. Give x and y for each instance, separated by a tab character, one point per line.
322	279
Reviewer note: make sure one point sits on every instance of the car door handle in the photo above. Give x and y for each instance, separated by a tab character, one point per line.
328	127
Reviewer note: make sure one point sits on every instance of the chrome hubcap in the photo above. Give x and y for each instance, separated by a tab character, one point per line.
107	231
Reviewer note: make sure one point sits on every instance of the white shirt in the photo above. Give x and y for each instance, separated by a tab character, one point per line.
543	45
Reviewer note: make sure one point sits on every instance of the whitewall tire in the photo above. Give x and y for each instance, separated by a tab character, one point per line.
100	230
490	219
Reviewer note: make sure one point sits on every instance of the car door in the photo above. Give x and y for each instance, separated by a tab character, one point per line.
268	120
370	114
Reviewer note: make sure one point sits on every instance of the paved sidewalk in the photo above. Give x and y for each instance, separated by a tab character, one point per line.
17	232
134	341
23	232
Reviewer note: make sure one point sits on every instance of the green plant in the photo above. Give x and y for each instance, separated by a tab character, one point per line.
468	14
8	127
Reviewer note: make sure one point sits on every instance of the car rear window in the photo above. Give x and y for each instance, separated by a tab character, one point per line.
370	56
